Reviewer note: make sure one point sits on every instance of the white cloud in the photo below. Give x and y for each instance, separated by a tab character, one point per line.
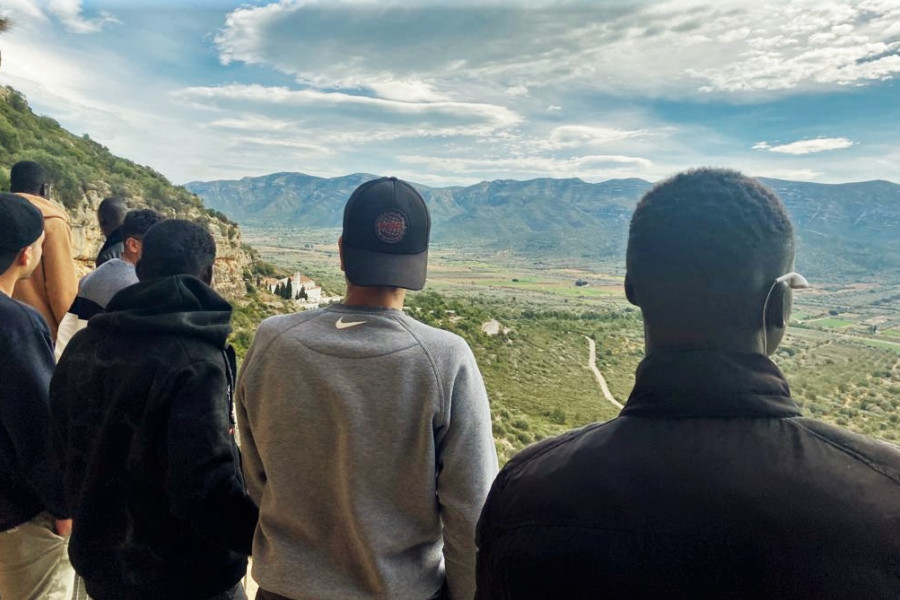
405	90
807	146
439	118
307	148
673	48
251	122
790	174
592	167
574	136
22	9
69	12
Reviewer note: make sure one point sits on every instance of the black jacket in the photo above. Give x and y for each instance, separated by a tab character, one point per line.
708	485
29	479
142	401
113	247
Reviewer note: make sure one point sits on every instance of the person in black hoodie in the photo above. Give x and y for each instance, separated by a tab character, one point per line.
142	402
33	514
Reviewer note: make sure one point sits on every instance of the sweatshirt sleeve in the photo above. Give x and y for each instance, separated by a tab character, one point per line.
60	278
26	416
467	465
254	473
203	481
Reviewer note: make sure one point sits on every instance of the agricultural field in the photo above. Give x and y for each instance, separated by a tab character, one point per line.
529	323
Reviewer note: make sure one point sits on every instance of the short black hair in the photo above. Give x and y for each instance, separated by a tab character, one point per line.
27	177
710	229
137	222
176	247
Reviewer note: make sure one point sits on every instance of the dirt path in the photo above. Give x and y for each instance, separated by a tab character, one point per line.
592	365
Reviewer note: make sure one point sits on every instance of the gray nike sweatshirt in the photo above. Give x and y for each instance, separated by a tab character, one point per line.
366	439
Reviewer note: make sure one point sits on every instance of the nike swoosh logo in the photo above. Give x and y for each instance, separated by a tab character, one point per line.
341	325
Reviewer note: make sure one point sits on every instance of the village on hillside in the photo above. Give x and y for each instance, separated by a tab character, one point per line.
303	290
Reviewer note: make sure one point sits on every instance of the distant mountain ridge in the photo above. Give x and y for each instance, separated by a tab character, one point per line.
844	230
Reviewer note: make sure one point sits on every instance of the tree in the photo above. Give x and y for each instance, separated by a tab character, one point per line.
302	295
289	290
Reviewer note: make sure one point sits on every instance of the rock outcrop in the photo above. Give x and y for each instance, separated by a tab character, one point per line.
231	259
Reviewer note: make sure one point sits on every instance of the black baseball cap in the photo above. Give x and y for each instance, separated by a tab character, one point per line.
20	225
386	229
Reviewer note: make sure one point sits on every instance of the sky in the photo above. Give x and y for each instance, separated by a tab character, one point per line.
453	93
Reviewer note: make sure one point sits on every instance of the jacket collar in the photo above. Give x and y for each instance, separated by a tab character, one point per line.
704	383
114	238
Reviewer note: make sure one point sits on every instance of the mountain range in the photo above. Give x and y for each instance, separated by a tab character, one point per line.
844	231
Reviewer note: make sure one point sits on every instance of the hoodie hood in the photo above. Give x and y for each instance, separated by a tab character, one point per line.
177	305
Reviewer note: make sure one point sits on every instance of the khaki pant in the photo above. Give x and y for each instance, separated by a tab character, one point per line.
34	562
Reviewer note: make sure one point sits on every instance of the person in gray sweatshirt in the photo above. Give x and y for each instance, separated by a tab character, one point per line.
366	435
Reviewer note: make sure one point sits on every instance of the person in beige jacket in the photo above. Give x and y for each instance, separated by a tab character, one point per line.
54	284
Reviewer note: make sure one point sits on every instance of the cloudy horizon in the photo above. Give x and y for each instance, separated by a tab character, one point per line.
452	93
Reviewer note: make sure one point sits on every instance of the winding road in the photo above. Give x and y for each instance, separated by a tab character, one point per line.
592	365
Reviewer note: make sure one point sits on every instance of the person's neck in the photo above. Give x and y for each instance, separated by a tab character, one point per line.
8	282
385	297
723	341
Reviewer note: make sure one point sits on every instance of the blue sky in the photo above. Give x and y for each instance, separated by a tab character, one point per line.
452	93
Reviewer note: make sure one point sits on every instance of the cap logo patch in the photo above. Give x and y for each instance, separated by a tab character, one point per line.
391	226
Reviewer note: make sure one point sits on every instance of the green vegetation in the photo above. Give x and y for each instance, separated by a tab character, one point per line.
830	323
535	367
848	382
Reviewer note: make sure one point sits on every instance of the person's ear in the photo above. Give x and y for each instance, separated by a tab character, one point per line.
133	245
24	257
778	314
208	276
341	251
630	292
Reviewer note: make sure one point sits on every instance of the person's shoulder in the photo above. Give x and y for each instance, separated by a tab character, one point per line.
278	324
881	456
20	318
48	208
439	340
549	448
115	272
545	466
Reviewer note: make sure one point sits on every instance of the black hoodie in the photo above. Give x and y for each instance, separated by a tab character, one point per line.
141	401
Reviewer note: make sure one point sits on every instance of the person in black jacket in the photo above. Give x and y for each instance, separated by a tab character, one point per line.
142	400
710	483
33	513
110	216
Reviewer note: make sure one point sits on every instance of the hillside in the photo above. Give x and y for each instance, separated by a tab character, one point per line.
845	231
84	172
